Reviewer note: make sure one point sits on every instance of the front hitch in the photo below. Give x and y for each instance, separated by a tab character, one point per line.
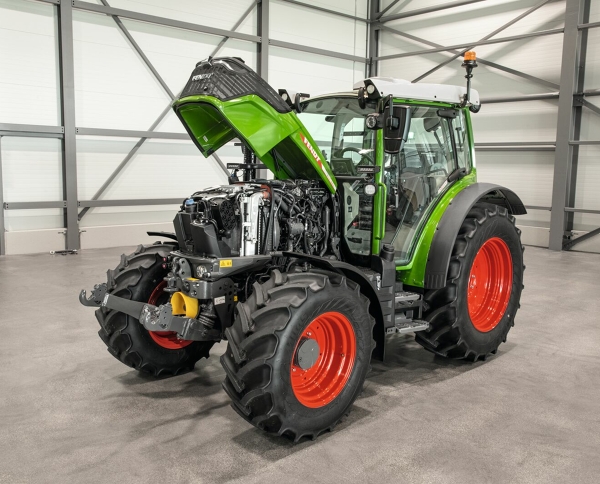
153	318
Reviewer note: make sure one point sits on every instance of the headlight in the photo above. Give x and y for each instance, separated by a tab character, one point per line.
200	271
370	189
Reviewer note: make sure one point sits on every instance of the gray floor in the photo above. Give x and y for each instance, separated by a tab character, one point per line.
70	412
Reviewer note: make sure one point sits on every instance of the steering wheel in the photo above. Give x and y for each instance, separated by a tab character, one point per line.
356	150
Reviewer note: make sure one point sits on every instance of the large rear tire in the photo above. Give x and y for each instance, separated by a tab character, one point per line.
298	353
139	277
472	315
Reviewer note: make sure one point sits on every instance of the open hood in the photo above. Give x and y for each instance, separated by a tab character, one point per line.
225	99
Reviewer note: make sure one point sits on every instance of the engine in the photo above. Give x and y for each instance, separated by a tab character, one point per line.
253	218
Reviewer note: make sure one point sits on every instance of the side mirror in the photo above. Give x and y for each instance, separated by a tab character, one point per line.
396	122
431	124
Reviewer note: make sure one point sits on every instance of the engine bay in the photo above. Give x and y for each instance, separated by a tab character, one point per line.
255	218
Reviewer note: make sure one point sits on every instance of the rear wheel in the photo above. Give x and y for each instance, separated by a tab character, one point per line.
139	277
298	352
472	315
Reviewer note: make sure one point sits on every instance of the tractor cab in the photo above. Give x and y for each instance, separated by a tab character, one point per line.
389	179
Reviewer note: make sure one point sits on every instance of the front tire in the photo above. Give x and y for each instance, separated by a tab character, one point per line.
471	316
139	277
298	353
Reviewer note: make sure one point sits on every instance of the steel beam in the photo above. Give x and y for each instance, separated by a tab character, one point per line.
526	97
315	50
569	244
591	25
467	46
140	52
378	15
564	130
489	36
421	11
130	203
153	19
127	133
234	28
516	148
590	106
581	210
67	104
372	66
2	238
577	116
34	205
262	23
515	143
579	143
480	60
537	207
32	129
326	10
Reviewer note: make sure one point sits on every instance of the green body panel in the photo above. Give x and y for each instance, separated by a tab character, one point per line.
211	123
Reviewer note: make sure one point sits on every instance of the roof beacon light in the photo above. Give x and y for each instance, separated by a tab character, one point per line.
469	63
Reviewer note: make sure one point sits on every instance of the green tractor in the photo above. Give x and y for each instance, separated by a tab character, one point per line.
372	223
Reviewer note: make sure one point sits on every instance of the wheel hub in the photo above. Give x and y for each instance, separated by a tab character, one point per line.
323	359
307	353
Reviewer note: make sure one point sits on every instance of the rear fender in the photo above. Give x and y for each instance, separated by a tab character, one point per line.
440	250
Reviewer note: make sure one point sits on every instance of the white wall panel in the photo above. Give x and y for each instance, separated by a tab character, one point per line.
160	169
28	60
592	64
327	31
519	121
31	169
588	181
311	73
113	88
222	14
529	174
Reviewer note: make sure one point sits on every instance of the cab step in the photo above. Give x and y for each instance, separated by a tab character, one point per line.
406	300
403	325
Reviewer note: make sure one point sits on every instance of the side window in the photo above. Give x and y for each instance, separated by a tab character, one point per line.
462	143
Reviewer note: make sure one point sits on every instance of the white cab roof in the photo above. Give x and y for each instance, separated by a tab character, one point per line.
401	88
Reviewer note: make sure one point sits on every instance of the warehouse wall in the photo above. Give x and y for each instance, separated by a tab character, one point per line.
529	173
114	89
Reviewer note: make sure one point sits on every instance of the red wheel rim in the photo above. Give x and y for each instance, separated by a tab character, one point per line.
490	284
166	339
321	383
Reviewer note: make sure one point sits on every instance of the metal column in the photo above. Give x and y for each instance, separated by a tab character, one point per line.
373	34
564	130
67	104
262	10
2	240
578	104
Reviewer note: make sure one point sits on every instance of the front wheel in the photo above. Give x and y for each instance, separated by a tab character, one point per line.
472	315
139	277
298	352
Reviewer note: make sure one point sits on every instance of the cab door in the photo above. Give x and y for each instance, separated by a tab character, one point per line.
416	177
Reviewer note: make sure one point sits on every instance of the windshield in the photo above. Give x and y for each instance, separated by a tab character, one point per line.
337	125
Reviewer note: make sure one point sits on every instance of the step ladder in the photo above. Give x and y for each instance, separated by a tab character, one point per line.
405	301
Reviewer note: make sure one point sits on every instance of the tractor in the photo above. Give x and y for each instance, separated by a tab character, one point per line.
370	223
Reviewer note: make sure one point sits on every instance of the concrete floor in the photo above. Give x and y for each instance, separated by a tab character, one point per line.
70	412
